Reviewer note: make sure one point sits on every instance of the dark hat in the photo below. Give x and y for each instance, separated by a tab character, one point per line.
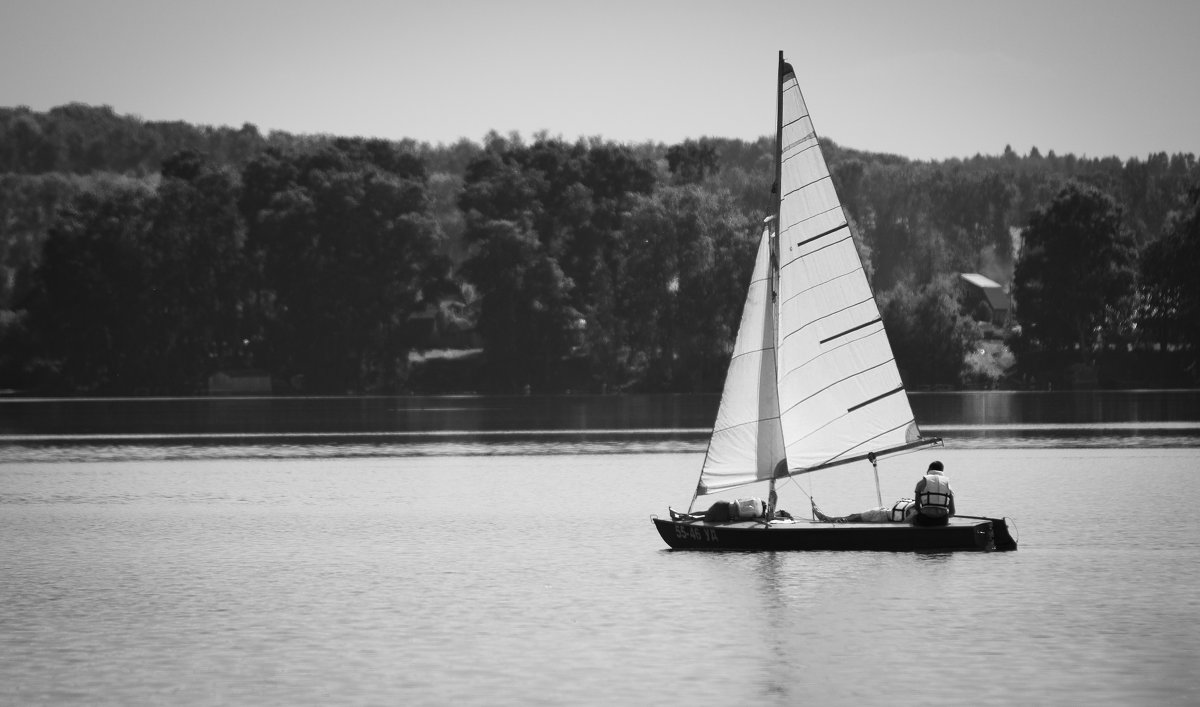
936	465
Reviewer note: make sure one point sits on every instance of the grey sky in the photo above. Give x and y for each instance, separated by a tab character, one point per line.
926	79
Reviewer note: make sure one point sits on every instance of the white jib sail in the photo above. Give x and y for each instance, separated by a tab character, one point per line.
747	442
840	393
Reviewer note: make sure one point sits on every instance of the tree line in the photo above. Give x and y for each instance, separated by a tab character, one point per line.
140	257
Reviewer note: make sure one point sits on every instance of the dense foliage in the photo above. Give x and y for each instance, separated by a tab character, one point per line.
1075	275
142	257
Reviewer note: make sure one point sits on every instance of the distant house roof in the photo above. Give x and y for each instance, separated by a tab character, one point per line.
992	290
979	280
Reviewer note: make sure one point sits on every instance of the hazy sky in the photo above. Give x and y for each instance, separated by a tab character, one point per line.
925	79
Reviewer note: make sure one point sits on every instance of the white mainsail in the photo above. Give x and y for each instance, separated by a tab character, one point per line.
840	393
812	362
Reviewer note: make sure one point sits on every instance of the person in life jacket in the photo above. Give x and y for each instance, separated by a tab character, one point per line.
935	500
901	511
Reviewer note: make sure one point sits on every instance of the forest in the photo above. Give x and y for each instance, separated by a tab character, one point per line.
143	258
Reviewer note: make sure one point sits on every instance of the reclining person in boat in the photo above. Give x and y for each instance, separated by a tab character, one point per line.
901	511
741	509
935	500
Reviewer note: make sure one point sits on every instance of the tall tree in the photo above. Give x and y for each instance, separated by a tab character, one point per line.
688	267
139	290
928	332
1075	272
345	250
1170	291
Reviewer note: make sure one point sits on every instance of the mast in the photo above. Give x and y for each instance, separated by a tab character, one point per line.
776	189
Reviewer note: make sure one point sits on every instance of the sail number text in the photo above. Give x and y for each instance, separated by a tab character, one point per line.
696	533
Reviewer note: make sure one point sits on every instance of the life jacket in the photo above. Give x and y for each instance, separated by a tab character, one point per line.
935	498
747	508
902	510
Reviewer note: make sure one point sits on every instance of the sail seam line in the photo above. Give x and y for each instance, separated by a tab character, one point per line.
793	143
843	380
806	219
818	250
822	284
795	120
844	452
825	316
830	350
805	186
901	426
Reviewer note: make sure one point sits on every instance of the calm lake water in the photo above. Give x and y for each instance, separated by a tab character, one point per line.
499	551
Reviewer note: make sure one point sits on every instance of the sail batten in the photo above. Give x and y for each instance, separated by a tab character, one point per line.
813	382
875	399
851	330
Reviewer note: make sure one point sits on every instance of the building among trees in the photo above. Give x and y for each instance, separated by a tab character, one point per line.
986	299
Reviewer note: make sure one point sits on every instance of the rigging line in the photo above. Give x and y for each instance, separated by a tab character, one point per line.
792	477
814	251
843	380
743	424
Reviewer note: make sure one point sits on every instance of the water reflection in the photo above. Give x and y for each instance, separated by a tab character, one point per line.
250	428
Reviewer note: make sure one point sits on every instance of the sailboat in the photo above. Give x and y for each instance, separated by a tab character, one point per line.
812	382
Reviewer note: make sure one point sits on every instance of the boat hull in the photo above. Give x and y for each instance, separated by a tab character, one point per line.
978	534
